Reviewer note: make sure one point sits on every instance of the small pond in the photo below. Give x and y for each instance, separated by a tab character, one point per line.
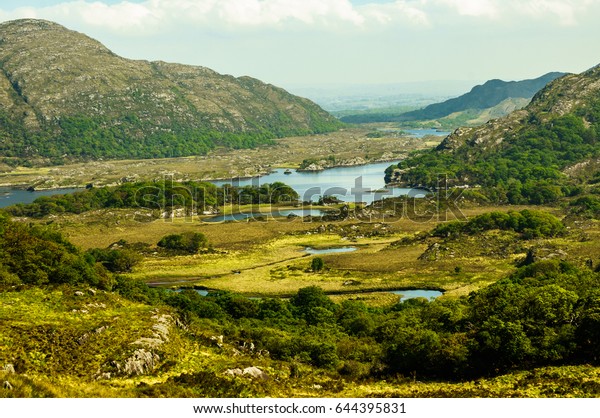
418	293
310	250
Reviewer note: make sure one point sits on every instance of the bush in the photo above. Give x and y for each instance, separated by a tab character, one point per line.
317	264
530	223
308	298
188	242
37	255
116	260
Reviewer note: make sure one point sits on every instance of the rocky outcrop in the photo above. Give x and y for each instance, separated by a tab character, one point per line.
146	357
141	362
9	369
252	372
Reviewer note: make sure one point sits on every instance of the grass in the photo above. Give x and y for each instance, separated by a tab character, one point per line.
37	325
267	258
41	330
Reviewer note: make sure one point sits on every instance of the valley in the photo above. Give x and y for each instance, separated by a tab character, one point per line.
350	146
165	272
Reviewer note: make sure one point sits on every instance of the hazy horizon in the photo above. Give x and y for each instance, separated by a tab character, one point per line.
327	44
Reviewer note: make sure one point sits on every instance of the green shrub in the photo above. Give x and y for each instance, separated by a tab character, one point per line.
188	242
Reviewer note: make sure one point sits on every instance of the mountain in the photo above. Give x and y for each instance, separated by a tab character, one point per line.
490	94
472	107
63	94
526	156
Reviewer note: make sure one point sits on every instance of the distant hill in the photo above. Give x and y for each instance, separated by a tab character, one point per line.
65	95
530	155
481	98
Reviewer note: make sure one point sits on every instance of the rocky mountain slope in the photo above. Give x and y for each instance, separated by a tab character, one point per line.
485	96
495	98
575	94
65	94
527	154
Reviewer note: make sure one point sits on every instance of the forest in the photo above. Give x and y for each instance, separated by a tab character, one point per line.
160	196
525	168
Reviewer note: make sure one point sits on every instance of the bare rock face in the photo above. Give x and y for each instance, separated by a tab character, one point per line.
145	357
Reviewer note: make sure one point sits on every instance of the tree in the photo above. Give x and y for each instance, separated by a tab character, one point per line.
190	242
311	297
317	264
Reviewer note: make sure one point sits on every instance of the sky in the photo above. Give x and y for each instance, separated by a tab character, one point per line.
341	42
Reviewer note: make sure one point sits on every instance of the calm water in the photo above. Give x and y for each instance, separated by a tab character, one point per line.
274	213
310	250
10	197
419	293
406	294
349	184
420	133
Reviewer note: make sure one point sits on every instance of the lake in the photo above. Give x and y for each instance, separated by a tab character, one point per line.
275	213
363	183
9	197
406	294
420	133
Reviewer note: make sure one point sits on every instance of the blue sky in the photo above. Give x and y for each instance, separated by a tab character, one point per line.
324	42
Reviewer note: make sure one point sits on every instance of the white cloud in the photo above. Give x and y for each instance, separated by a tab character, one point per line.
153	15
281	40
474	8
398	12
566	13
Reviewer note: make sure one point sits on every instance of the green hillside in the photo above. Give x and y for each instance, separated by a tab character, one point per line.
495	98
64	95
526	156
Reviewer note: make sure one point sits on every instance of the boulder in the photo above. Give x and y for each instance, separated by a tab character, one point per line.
255	373
234	372
9	368
141	362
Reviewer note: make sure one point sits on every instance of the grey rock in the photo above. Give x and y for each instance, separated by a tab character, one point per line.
234	372
9	368
141	362
255	373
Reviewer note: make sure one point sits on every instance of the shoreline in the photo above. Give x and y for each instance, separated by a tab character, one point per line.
26	186
164	285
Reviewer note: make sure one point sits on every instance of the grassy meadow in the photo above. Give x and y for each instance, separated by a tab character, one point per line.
268	257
